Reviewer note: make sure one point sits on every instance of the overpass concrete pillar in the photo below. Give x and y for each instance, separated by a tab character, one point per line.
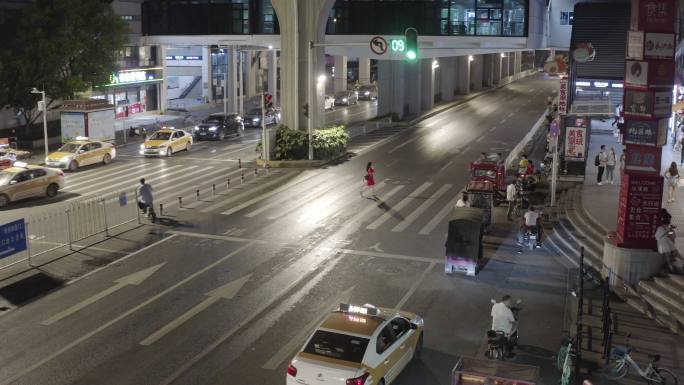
463	75
488	69
233	79
252	69
364	70
518	62
163	90
340	79
447	78
206	74
272	77
511	63
476	73
391	85
496	68
301	22
427	84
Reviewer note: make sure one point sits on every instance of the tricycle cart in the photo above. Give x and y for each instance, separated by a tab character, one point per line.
491	169
481	195
464	241
473	371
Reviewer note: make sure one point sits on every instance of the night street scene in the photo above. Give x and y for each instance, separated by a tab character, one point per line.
342	192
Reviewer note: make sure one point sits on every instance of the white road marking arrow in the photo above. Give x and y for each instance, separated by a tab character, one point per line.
298	340
226	291
132	279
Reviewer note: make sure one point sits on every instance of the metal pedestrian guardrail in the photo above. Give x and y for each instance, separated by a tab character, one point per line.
66	225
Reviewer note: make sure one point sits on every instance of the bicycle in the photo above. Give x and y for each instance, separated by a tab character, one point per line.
565	361
620	363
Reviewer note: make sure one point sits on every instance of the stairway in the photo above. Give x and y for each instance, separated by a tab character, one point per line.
660	298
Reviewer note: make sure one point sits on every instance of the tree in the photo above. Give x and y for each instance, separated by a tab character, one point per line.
61	46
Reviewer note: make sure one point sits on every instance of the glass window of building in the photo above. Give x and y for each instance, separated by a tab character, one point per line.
514	17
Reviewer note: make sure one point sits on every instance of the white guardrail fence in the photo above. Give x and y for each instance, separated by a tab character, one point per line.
64	226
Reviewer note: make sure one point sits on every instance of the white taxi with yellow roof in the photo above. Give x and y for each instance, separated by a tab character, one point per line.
23	181
358	345
165	142
81	152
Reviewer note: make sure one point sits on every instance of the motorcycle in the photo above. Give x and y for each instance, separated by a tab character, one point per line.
497	340
530	238
137	131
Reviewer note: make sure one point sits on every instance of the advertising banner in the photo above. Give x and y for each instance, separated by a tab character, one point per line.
662	104
640	200
661	73
563	96
653	15
575	143
636	74
100	125
643	159
646	132
73	125
638	103
659	45
635	45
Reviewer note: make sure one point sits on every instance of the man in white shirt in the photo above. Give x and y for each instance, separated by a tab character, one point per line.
511	193
145	199
503	319
463	202
531	220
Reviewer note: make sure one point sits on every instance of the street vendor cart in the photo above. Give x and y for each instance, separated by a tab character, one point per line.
473	371
492	169
464	241
481	194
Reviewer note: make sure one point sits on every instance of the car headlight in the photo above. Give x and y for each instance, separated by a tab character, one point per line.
47	160
367	93
344	100
196	128
212	129
255	120
142	146
65	159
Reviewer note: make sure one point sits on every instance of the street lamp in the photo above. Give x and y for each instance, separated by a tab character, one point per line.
43	107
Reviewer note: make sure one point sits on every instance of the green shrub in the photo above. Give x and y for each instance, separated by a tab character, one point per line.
328	143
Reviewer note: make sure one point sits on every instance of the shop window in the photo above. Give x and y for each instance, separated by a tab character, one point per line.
566	18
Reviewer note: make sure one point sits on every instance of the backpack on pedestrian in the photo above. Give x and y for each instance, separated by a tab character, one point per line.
597	160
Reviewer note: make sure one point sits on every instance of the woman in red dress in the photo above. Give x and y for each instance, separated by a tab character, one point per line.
370	180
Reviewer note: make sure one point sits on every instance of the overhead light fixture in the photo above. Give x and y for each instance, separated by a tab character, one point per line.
435	64
270	47
503	54
471	58
321	78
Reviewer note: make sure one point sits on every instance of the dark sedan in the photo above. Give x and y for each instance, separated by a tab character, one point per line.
368	93
218	126
346	98
253	117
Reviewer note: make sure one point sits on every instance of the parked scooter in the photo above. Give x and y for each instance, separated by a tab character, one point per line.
137	131
497	340
531	237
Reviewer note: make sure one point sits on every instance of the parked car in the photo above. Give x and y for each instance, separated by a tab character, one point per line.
218	126
346	98
368	92
329	103
253	117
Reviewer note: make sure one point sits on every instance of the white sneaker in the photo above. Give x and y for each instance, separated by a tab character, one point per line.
600	183
611	182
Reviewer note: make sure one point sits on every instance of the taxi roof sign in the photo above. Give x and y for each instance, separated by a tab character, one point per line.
365	309
20	164
81	138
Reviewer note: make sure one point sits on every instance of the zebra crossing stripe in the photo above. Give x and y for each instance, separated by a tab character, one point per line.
421	209
387	215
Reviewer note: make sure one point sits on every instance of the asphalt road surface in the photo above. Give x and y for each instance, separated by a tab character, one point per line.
230	299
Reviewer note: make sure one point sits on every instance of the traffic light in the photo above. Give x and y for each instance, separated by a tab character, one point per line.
411	37
306	110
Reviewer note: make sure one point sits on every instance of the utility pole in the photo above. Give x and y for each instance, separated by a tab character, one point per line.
309	119
42	106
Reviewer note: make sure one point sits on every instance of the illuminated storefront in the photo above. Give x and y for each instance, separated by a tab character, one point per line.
132	91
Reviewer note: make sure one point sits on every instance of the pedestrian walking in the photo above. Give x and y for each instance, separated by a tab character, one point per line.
511	193
610	165
671	181
369	180
600	162
146	200
665	238
618	110
522	165
463	202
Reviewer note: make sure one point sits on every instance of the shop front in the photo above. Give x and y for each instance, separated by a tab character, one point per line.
132	91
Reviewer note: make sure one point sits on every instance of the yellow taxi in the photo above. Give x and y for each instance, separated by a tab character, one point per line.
165	142
81	152
358	345
23	181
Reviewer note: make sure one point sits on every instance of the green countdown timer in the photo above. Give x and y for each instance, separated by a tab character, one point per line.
397	45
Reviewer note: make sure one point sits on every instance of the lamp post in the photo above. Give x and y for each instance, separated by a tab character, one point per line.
43	107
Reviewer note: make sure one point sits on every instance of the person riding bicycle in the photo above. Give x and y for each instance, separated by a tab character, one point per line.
504	321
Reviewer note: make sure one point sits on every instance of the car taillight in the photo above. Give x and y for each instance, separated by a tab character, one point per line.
358	380
291	370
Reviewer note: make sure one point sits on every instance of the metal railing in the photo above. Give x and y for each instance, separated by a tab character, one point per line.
64	226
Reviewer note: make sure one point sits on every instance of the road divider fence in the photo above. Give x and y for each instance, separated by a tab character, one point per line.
64	226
